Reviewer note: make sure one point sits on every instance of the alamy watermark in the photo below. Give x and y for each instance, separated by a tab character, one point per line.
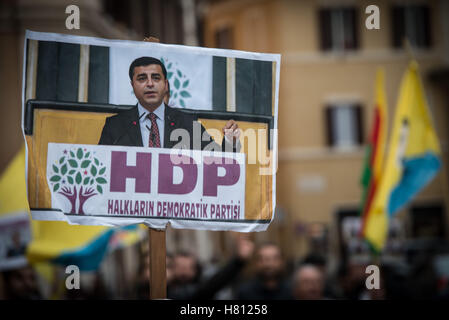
73	20
73	279
373	280
373	20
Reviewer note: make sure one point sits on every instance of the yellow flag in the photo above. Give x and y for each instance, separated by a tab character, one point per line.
13	197
413	158
374	163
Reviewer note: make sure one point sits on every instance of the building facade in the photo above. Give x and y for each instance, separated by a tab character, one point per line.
326	102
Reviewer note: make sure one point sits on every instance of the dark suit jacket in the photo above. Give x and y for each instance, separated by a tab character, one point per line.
123	129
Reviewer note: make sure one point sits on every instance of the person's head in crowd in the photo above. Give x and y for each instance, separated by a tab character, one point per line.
17	248
308	283
316	260
186	268
148	78
269	261
21	284
352	276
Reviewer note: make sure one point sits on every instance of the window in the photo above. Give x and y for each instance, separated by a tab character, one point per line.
411	22
224	38
344	125
338	28
162	19
349	223
348	226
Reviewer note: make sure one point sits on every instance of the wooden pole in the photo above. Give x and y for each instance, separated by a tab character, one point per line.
158	275
157	254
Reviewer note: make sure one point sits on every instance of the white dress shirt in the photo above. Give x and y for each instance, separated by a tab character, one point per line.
145	123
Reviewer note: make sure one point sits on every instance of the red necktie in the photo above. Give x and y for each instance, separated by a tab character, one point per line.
155	140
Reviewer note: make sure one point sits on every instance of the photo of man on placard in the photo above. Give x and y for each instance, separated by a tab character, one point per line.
178	99
152	121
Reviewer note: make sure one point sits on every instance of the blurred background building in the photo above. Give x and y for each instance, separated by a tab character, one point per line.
326	99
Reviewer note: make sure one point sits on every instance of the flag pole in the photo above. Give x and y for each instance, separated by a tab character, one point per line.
158	252
409	49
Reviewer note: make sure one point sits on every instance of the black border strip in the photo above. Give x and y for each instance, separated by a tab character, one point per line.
32	104
219	83
98	83
262	221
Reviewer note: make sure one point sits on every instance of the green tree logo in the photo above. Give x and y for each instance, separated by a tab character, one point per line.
179	84
78	175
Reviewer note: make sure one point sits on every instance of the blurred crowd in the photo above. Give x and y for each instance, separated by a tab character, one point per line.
260	272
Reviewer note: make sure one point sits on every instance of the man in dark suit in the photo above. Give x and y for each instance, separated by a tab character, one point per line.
154	124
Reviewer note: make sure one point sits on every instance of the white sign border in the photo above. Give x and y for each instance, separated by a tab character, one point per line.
46	36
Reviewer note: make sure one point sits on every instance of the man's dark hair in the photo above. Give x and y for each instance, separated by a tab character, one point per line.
146	61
